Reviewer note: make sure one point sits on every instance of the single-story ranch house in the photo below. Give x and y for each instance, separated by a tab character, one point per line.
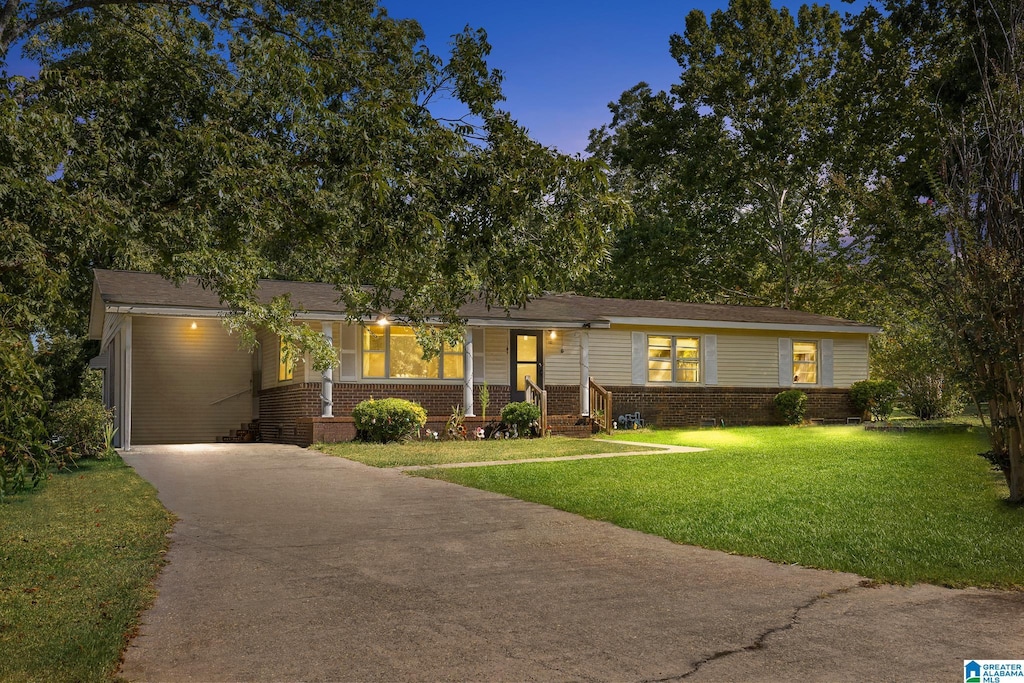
173	374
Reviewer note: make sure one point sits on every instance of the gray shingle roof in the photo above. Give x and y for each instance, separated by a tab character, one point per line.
129	288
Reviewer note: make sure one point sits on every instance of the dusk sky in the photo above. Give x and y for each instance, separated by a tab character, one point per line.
563	60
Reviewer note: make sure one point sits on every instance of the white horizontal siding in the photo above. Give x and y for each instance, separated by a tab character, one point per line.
496	356
180	375
850	360
748	361
611	357
562	358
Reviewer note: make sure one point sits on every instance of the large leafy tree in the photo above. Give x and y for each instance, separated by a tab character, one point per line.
730	171
298	139
940	116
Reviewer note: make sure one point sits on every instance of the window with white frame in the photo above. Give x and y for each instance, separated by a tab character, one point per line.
392	352
673	359
805	362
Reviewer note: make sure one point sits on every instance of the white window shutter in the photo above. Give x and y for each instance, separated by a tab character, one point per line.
478	357
785	362
827	378
349	340
710	359
639	358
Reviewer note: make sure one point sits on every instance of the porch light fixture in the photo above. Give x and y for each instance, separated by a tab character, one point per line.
553	335
383	320
194	326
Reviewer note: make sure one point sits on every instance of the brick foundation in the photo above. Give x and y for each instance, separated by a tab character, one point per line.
290	414
688	406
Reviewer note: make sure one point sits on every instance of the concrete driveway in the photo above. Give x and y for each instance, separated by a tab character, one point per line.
290	565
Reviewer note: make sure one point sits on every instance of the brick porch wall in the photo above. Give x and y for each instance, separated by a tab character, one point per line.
286	412
687	406
563	399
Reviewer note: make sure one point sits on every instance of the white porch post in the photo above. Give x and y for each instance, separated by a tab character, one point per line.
584	372
126	394
467	373
327	381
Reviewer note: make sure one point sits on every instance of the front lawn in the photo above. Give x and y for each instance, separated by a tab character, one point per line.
77	559
443	452
895	507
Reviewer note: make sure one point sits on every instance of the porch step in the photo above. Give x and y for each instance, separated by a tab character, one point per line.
249	432
570	425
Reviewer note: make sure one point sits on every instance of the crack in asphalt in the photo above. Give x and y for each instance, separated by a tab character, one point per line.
761	637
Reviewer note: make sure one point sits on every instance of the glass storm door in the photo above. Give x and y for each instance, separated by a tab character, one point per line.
525	352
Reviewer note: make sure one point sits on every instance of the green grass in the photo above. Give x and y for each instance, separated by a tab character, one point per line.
443	452
895	507
77	560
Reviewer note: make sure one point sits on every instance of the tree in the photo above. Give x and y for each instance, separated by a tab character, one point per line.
948	209
730	171
232	142
979	190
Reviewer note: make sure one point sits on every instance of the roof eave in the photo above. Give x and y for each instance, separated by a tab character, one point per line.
736	325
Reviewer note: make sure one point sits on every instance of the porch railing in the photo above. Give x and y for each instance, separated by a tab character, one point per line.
601	406
539	398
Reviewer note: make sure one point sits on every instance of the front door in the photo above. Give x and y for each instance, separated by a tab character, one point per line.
526	355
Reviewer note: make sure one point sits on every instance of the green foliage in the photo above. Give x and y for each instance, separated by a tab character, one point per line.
729	171
92	385
388	419
80	427
24	451
913	353
485	400
791	405
64	362
235	141
877	397
522	414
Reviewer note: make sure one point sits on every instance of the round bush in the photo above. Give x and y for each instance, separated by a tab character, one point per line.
792	405
388	419
875	396
522	414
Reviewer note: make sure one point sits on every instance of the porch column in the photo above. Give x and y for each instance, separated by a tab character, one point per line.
327	382
584	372
467	372
126	394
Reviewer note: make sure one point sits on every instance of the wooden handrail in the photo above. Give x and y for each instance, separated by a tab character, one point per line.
237	393
601	406
539	398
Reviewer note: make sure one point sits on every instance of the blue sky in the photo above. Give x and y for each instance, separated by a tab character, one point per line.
563	60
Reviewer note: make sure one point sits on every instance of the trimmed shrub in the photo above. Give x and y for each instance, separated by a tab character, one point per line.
522	414
79	426
792	405
388	419
875	396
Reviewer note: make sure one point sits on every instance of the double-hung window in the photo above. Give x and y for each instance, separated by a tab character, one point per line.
805	362
393	353
673	359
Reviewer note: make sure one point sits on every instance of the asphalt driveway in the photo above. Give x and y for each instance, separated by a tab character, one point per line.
287	564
